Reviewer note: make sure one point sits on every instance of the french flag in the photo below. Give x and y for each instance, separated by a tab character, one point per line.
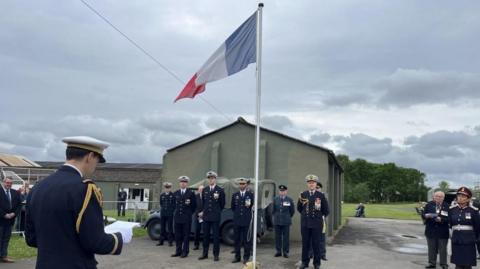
234	55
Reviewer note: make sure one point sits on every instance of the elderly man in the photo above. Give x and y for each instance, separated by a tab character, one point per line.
436	230
9	208
64	212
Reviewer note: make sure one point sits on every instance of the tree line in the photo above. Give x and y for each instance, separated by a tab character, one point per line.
381	183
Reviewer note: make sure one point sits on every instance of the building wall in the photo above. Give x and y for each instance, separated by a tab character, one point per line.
231	153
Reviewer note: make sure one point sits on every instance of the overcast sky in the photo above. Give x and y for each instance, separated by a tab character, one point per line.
387	81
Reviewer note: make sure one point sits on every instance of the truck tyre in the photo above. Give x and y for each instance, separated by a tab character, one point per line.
153	229
228	234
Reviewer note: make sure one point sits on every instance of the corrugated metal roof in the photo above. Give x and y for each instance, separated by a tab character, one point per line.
16	160
156	166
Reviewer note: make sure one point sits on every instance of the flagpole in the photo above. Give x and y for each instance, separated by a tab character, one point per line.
257	132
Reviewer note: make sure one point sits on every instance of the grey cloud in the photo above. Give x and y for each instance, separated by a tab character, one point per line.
406	87
320	138
344	100
277	122
358	144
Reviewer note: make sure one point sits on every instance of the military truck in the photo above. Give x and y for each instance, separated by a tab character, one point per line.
266	189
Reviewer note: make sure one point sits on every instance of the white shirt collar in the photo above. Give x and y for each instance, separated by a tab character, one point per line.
74	167
212	187
183	190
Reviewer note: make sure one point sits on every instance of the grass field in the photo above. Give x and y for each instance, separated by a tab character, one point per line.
384	211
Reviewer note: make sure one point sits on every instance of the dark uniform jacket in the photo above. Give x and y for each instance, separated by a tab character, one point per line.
64	220
167	204
242	208
212	207
283	210
5	207
185	206
312	217
122	196
434	229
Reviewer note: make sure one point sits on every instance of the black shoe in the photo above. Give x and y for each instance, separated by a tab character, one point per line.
216	259
324	258
183	255
431	266
175	255
444	266
317	266
203	257
278	254
170	244
195	247
233	251
303	266
236	260
160	243
285	255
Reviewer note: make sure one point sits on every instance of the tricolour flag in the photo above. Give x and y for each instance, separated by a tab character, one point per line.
234	55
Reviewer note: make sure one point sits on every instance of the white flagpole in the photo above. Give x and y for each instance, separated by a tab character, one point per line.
257	133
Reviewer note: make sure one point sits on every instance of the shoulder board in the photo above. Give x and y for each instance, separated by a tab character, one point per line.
88	181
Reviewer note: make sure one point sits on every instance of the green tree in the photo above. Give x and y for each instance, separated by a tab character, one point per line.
443	186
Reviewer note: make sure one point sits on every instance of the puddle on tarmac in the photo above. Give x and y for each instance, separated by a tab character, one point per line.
412	249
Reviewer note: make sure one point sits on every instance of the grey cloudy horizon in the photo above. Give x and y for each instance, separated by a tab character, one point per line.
394	81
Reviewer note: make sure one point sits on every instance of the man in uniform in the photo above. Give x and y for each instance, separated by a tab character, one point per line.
64	214
10	204
185	205
213	203
121	202
465	223
167	206
283	210
436	230
241	205
312	205
198	221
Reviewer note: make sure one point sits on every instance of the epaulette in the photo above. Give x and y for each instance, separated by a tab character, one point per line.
91	189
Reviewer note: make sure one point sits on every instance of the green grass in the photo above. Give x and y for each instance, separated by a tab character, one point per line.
384	211
18	249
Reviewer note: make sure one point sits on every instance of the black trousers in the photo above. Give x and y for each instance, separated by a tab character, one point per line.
311	239
215	227
5	234
182	238
323	245
121	208
198	229
242	240
437	246
166	229
282	238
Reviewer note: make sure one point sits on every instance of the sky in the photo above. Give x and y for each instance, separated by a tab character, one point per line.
386	81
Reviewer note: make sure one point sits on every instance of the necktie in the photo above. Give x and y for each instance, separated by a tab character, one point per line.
7	192
242	194
211	189
311	193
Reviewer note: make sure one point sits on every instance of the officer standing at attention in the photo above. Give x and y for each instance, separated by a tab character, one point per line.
213	203
241	205
312	205
167	206
121	202
435	215
283	210
185	205
465	223
64	218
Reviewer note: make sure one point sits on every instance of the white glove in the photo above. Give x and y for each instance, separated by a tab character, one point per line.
126	235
